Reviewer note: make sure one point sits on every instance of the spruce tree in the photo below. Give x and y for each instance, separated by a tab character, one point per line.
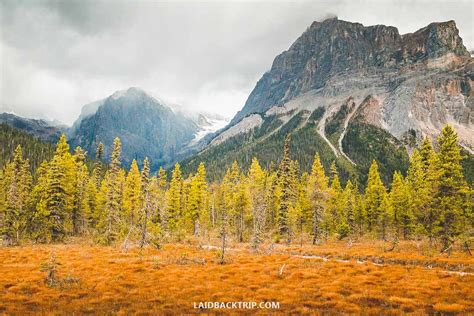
16	182
132	199
80	203
256	178
452	186
197	207
403	219
374	194
287	191
109	226
174	200
145	205
318	192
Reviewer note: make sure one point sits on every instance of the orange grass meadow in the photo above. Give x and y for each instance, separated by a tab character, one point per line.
363	279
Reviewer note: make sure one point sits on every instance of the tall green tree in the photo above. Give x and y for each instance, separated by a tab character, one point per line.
113	185
174	200
15	184
319	195
257	186
374	195
403	218
452	186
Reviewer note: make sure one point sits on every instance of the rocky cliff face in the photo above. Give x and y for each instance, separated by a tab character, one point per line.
423	80
401	88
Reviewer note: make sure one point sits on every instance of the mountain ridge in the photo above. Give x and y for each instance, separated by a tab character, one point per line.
402	87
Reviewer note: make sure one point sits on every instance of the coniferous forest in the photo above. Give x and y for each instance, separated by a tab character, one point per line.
72	195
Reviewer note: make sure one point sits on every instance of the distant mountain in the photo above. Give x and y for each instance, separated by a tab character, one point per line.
352	93
146	126
42	129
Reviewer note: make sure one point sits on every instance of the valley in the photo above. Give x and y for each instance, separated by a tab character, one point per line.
344	185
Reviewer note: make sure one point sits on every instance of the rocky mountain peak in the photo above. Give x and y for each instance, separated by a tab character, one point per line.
333	47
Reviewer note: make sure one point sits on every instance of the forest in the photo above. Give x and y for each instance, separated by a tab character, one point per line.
71	195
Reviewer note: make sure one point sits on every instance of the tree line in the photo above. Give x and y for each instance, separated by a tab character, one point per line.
64	197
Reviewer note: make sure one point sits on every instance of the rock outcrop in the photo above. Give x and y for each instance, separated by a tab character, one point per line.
421	80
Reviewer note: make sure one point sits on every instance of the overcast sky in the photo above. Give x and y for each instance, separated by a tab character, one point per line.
56	56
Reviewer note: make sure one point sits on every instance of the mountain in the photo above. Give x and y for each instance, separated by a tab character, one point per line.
352	93
42	129
146	126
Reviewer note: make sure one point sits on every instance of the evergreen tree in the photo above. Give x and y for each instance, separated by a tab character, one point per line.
160	216
197	207
301	215
417	189
452	186
80	203
146	206
132	199
374	195
109	224
403	219
347	219
57	195
334	212
15	185
385	216
257	180
174	200
318	192
97	173
287	187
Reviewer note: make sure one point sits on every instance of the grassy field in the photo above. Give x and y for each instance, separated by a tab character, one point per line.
334	278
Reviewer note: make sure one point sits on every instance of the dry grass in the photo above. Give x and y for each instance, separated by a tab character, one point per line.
171	279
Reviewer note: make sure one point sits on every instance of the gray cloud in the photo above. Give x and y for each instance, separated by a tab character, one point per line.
56	56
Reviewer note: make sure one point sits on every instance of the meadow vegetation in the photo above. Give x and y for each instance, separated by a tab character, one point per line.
333	278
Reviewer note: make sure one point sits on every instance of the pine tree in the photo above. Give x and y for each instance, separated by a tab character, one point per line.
256	178
97	173
197	207
56	202
347	219
385	216
287	187
334	213
452	186
80	203
301	214
424	196
146	206
403	219
417	189
374	194
360	215
16	182
132	199
160	216
318	192
91	211
174	200
109	224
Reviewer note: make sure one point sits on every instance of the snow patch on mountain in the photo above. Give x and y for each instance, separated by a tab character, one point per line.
210	126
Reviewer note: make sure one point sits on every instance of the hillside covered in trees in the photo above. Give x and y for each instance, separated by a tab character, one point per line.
110	205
